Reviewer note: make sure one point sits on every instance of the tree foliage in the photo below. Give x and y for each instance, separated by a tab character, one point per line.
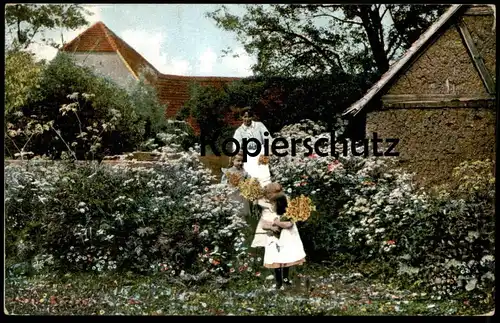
73	110
298	40
25	21
22	74
277	101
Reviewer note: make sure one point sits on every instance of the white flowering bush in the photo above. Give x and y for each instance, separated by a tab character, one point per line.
368	210
96	217
326	179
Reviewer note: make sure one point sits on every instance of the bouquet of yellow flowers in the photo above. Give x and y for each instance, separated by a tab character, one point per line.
263	160
299	209
233	178
250	189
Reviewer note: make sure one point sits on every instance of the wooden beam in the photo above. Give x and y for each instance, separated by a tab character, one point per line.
408	98
478	60
410	101
440	105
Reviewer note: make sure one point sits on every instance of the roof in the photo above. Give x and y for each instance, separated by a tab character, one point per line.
423	40
99	38
173	90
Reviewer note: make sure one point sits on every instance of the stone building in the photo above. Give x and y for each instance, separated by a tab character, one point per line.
439	99
107	54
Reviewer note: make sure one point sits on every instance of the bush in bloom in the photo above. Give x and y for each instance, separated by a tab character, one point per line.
96	217
369	210
326	180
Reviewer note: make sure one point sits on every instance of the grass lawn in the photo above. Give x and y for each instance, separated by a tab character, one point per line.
316	291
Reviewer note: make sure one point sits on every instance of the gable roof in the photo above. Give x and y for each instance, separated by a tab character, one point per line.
99	38
423	40
172	90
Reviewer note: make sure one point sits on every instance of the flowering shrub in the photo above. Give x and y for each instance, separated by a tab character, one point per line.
100	218
368	210
453	242
326	180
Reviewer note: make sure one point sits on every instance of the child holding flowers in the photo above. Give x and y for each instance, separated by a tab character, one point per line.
234	176
278	234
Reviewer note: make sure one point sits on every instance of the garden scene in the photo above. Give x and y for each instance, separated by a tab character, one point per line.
156	232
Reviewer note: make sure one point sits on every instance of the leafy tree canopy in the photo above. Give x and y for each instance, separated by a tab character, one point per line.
301	40
25	21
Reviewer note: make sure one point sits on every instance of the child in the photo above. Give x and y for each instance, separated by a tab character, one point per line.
236	169
287	250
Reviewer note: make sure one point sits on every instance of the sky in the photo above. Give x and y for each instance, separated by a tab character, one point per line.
175	38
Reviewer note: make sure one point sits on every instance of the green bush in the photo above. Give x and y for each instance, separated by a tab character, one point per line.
277	101
72	110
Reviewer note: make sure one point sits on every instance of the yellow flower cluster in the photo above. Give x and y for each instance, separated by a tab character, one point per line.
250	189
233	178
299	209
263	160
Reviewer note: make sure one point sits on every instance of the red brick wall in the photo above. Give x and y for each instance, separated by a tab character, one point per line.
173	90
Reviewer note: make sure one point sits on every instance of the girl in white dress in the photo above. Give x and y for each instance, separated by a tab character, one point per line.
284	251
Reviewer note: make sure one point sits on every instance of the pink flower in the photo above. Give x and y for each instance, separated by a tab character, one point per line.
332	166
391	242
313	156
257	274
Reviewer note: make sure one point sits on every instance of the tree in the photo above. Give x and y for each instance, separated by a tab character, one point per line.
25	21
22	74
73	110
302	40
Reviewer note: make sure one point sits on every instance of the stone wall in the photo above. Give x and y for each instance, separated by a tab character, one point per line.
434	141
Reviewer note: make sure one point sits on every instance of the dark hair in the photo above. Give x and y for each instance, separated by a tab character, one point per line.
281	204
248	110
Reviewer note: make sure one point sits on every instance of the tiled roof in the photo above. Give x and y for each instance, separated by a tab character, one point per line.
99	38
172	89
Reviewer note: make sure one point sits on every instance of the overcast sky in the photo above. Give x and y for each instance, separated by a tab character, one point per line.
175	38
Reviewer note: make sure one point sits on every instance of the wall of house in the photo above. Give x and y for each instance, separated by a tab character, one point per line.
484	37
434	141
107	64
444	68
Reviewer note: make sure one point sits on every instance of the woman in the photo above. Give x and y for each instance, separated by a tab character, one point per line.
253	129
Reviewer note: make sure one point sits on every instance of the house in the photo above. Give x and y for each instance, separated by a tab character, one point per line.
101	49
439	99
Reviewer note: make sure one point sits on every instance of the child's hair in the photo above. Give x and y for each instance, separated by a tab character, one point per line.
274	193
281	204
232	158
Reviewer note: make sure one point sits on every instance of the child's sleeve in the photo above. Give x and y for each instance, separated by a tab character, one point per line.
224	179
